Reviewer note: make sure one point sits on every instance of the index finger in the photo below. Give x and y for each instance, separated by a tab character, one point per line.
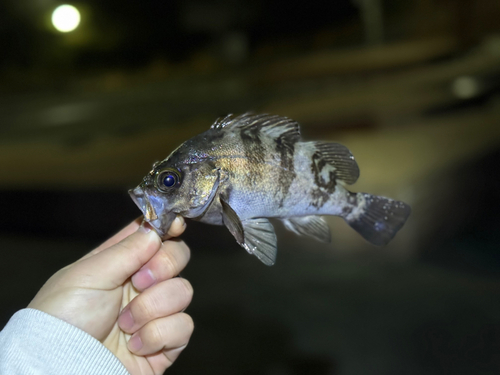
176	229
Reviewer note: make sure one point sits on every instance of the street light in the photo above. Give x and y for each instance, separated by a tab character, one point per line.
65	18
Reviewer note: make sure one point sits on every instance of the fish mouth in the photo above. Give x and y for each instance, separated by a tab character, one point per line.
153	209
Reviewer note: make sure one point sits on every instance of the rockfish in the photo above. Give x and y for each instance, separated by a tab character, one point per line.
246	169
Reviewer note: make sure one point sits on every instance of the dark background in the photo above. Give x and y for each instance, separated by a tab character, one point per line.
412	88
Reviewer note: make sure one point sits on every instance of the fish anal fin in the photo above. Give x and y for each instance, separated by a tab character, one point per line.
310	226
340	158
256	236
273	126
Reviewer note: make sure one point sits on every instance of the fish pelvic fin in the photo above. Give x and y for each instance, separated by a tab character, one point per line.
334	160
310	226
377	219
256	236
273	126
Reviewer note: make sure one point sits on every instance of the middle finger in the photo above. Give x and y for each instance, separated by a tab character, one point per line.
167	263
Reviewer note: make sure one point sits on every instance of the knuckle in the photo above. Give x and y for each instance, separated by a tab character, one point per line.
146	308
169	262
155	334
129	246
126	245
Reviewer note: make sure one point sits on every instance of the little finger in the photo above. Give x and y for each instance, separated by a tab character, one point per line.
167	333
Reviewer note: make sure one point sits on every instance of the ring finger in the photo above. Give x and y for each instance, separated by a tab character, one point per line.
164	299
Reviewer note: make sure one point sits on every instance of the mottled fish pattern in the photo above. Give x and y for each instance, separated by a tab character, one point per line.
249	168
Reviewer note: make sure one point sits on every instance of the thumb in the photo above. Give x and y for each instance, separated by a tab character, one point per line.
110	268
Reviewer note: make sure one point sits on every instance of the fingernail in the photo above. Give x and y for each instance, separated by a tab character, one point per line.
135	343
143	279
145	227
126	320
180	221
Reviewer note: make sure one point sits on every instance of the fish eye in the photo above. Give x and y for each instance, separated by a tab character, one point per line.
167	179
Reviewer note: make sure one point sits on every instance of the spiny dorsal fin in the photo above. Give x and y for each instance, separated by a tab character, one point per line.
340	158
273	126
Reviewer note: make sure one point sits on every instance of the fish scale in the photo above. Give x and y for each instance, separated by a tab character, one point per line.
249	168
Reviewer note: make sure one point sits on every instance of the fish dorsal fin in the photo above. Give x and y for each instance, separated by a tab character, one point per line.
311	226
338	158
256	236
272	125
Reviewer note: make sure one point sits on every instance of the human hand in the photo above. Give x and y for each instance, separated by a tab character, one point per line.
132	272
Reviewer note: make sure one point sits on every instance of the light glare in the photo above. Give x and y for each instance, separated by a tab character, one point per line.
466	87
65	18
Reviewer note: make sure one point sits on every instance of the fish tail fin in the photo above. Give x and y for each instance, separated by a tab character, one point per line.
377	219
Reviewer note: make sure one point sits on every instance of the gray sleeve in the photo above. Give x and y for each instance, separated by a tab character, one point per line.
34	342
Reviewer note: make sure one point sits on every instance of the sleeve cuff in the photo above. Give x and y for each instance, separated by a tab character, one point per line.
34	342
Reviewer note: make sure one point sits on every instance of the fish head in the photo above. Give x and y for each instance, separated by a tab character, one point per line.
171	189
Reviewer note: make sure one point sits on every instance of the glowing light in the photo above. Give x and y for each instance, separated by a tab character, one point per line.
465	87
65	18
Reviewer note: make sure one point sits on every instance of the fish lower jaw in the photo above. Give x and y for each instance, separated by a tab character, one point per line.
157	226
162	224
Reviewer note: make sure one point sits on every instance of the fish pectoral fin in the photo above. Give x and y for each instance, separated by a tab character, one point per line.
260	240
310	226
232	221
255	235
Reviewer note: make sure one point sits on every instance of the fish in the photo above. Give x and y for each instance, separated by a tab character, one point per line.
248	168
